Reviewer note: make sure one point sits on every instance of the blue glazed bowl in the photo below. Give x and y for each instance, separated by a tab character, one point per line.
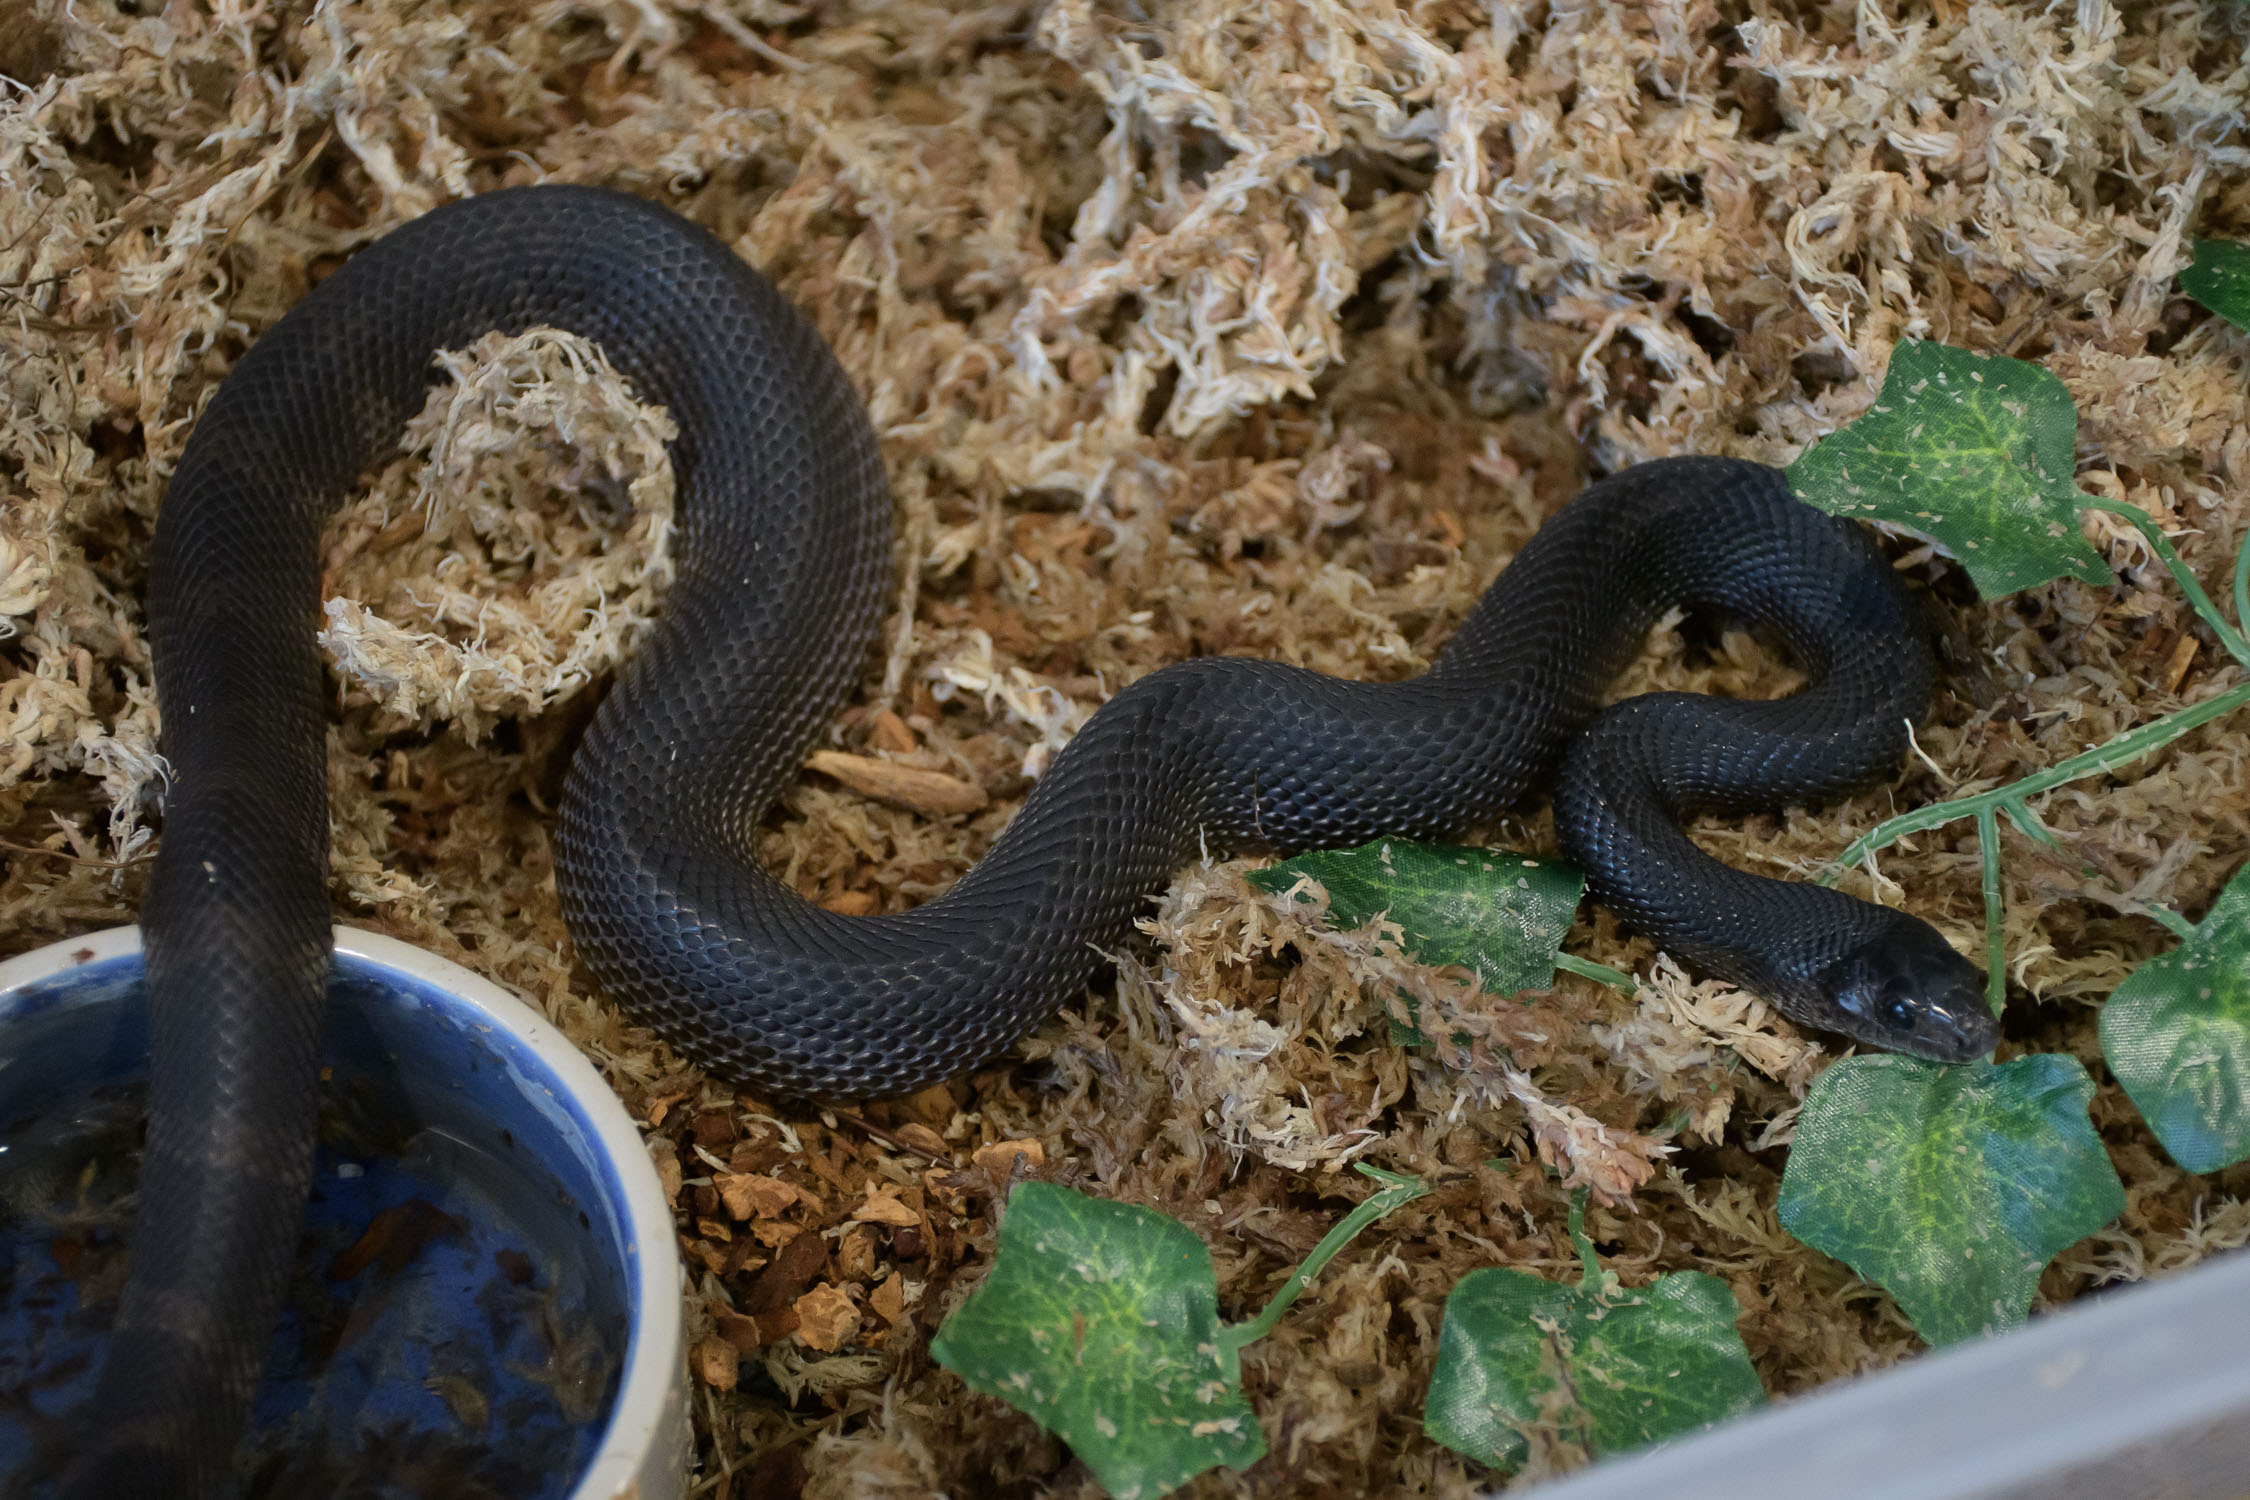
487	1300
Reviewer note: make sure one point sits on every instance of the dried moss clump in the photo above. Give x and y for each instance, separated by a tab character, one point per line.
1189	327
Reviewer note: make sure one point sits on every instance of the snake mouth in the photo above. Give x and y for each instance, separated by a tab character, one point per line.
1906	990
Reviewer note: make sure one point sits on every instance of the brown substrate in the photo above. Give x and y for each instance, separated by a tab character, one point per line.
1202	326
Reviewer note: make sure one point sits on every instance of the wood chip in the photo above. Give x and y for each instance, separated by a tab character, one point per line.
852	903
933	1106
883	1207
739	1331
826	1319
999	1158
888	1301
668	1173
890	733
855	1253
717	1363
750	1196
922	1138
929	792
2176	666
774	1288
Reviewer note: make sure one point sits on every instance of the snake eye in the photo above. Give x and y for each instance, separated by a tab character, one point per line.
1901	1002
1910	992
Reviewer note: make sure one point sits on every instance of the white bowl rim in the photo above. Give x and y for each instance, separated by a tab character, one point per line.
647	1412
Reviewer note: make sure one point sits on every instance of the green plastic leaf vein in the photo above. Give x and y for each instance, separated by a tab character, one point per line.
2176	1034
1950	1186
1497	912
1100	1320
1976	452
1617	1369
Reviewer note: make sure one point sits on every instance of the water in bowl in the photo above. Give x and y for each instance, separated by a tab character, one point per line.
445	1331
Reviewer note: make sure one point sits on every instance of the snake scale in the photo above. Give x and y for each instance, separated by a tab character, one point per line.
783	553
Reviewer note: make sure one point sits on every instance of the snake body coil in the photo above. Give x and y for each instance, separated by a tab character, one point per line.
782	555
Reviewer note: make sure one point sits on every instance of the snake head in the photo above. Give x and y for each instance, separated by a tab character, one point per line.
1908	991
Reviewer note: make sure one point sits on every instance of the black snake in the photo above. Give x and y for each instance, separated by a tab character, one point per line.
783	553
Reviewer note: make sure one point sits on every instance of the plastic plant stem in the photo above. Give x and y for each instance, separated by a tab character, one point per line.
1616	979
1995	913
2242	584
2161	545
2172	922
2122	751
1587	1259
2012	799
1399	1191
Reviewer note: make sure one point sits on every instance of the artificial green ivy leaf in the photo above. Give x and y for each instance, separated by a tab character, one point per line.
1950	1186
1100	1320
1625	1368
2176	1034
1974	451
1500	913
2219	278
